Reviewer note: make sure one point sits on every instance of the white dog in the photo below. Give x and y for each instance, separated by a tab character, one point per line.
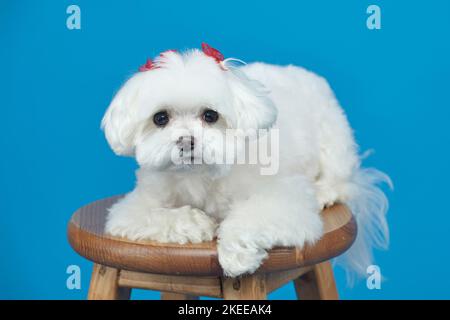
172	109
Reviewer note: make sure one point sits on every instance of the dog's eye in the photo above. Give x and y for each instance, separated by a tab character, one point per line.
210	116
161	118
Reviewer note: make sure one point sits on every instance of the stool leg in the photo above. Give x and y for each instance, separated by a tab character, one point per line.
252	287
104	285
317	284
177	296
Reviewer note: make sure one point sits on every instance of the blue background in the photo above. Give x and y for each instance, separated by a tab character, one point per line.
55	85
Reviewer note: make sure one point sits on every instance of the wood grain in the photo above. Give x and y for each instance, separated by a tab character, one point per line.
275	280
177	296
192	285
104	285
317	284
252	287
86	236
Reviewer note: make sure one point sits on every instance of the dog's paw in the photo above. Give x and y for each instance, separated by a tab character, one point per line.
242	245
178	225
237	258
191	225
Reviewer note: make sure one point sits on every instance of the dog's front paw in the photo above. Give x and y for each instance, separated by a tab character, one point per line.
242	245
178	225
189	225
237	258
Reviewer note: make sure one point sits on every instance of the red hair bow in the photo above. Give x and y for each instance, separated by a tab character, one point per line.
149	65
211	52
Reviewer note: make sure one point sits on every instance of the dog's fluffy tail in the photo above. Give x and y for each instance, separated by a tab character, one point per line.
369	205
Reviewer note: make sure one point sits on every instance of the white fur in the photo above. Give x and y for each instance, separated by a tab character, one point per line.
318	161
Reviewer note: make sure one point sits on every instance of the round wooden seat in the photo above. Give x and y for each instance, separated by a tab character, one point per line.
86	236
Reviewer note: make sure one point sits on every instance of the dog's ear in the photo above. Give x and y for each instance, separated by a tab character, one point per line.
119	121
253	107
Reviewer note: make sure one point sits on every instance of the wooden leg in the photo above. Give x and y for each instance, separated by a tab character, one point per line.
317	284
177	296
104	285
252	287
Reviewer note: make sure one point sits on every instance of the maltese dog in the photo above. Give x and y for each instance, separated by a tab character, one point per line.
246	153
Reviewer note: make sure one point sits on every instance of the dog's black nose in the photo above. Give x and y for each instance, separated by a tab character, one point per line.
186	142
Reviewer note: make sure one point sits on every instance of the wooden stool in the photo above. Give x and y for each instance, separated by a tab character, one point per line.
192	270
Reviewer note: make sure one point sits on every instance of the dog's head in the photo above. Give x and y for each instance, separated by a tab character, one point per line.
178	107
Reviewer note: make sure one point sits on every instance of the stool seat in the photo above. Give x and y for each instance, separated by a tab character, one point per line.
86	236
